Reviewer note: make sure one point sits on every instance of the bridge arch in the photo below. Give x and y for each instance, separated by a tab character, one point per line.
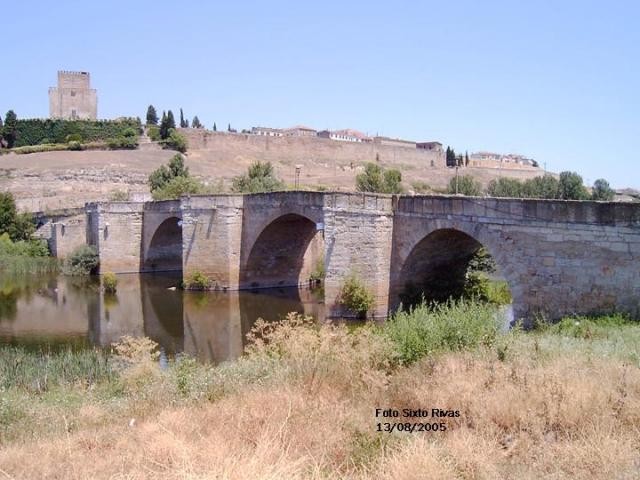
163	251
283	251
435	258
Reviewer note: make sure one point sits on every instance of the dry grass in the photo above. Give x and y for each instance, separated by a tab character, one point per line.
302	405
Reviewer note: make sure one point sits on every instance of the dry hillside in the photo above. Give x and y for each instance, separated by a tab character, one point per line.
52	180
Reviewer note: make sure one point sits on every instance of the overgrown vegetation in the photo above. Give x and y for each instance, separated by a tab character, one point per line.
82	261
568	186
198	281
379	180
465	185
355	296
173	180
260	178
110	282
556	402
28	132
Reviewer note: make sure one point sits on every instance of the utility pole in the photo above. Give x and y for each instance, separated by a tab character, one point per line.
297	177
456	178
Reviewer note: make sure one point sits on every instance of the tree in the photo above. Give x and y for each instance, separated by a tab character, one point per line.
602	191
163	175
152	116
195	123
215	128
466	185
451	157
175	141
505	187
466	159
570	187
171	123
183	123
229	128
9	131
164	126
260	177
19	226
545	186
376	179
177	187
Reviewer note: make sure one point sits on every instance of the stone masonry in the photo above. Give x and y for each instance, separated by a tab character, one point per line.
559	257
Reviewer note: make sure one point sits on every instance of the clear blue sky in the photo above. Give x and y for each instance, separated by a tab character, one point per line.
555	80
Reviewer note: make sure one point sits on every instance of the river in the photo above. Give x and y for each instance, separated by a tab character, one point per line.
54	310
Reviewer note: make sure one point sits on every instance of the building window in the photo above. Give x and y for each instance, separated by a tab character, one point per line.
73	93
74	114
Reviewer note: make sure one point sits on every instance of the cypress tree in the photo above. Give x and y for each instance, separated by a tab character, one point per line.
171	122
164	126
152	116
9	131
182	122
215	128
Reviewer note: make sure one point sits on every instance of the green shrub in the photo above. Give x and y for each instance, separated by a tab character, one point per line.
178	186
153	133
318	273
198	281
420	187
75	145
82	261
129	132
122	143
355	296
175	141
110	282
260	177
454	325
74	137
377	179
465	185
19	226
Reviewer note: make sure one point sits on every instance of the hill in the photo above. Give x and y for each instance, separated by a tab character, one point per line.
52	180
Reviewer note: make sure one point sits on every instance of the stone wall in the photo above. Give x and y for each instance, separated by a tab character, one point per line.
67	235
559	257
291	150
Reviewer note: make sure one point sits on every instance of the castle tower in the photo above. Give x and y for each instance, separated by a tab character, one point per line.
73	98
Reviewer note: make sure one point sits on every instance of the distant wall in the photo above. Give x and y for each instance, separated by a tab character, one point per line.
229	146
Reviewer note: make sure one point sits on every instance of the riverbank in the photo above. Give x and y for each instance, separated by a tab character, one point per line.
561	402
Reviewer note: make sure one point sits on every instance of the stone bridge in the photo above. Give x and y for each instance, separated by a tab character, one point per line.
559	257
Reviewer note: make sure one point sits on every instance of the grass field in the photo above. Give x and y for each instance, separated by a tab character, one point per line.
560	402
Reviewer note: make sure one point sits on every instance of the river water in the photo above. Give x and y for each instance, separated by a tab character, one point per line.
55	310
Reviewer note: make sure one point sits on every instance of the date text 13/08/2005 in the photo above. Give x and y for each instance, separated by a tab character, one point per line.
416	413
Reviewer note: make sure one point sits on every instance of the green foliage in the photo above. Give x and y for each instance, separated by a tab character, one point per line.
466	185
154	133
183	123
355	296
19	226
582	327
480	288
163	175
198	281
110	282
377	179
178	186
570	187
505	187
455	325
602	191
46	369
74	146
175	141
545	186
10	132
171	123
51	147
82	261
259	178
33	131
195	123
123	143
152	116
25	256
450	157
318	273
164	126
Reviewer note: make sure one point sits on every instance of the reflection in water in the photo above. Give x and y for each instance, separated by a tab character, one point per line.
211	326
